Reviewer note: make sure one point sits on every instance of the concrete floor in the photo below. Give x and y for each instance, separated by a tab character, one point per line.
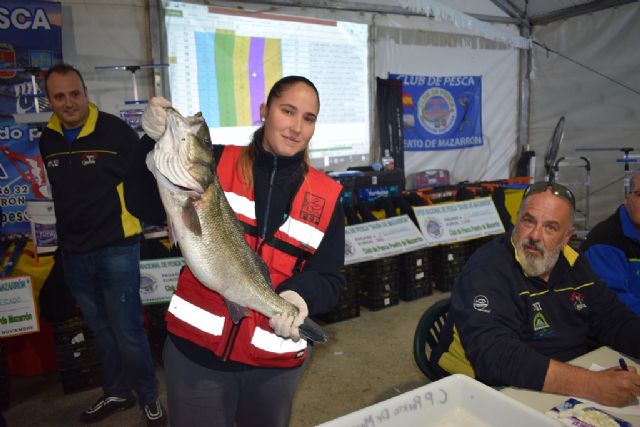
367	359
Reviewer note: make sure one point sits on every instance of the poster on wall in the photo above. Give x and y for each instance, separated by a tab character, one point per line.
18	313
441	112
30	43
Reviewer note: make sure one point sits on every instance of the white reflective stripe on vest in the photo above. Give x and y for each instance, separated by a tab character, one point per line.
304	233
241	204
195	316
268	341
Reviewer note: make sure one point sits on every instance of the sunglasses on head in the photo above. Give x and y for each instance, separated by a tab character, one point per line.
556	189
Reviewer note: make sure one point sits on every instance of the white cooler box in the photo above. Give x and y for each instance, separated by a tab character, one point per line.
454	401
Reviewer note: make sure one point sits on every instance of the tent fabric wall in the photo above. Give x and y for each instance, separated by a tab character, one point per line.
429	53
99	33
598	112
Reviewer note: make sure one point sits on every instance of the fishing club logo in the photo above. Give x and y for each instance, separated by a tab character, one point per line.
312	207
148	284
577	298
349	249
437	110
433	227
541	328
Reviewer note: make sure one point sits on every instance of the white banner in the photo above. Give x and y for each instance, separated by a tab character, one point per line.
17	307
459	221
158	279
381	239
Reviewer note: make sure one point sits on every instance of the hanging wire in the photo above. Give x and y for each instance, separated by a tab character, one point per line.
548	49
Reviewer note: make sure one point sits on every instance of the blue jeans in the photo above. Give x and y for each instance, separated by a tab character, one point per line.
106	284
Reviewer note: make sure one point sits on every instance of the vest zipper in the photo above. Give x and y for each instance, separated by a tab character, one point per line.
265	223
228	347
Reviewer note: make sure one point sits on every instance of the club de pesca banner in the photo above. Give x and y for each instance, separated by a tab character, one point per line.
30	43
441	112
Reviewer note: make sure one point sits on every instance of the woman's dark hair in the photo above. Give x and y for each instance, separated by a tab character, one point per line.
245	162
282	84
63	69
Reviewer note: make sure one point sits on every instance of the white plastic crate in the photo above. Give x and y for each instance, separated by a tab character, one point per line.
454	401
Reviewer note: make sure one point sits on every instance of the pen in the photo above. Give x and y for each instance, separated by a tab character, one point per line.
623	364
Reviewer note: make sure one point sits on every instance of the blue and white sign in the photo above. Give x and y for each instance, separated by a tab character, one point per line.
441	112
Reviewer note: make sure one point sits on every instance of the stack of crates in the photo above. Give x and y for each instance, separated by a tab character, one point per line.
476	243
79	364
348	305
5	381
379	283
416	280
447	261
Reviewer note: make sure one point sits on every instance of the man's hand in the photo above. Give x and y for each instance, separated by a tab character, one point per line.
611	387
154	118
616	387
287	326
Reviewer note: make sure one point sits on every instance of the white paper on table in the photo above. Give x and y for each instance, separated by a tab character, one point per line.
633	409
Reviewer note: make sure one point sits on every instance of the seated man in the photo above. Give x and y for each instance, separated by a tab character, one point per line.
613	248
525	304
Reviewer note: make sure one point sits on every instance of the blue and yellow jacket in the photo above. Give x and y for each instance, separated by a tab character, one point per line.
613	249
504	327
87	181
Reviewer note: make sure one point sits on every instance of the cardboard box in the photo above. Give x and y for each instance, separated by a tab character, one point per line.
454	401
432	178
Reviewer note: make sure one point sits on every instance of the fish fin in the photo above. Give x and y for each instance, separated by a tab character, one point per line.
171	232
236	311
310	330
191	219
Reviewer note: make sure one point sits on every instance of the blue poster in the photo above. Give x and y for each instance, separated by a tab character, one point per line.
30	43
441	113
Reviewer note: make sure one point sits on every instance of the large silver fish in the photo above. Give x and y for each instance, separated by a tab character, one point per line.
205	227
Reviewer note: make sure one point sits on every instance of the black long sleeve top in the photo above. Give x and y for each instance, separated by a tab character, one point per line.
504	327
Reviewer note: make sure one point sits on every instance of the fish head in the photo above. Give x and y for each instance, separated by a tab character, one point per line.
184	153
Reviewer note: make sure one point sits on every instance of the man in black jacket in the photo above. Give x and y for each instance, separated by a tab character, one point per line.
87	154
525	304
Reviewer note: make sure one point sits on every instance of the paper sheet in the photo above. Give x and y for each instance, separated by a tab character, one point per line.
633	409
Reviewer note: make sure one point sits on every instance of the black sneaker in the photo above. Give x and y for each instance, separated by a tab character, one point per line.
104	407
155	414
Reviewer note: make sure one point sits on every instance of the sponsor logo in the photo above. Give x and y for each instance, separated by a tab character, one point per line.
578	300
481	303
312	207
541	327
89	159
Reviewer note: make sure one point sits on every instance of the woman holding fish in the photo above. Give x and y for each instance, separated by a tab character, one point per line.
262	234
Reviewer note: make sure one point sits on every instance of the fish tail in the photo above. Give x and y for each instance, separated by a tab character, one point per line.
310	330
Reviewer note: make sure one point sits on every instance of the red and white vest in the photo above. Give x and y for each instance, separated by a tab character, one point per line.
201	316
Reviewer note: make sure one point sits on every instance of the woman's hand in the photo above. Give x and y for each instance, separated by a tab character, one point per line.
154	118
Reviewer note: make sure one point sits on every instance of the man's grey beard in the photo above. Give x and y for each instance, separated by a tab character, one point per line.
536	265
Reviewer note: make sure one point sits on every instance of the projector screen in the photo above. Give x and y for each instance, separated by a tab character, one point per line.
223	62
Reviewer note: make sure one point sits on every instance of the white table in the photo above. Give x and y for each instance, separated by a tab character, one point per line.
604	356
